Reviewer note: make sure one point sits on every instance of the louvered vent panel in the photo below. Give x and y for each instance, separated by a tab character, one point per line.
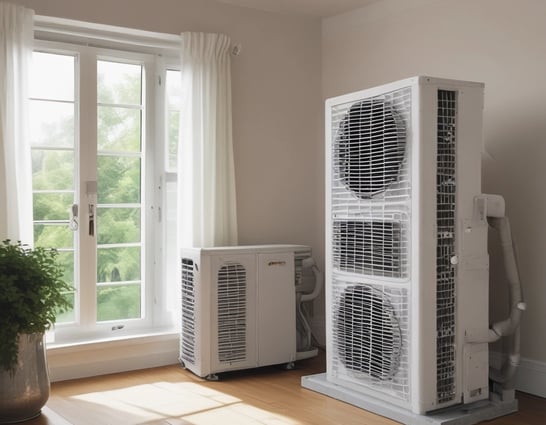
370	138
232	299
187	340
370	331
370	247
445	270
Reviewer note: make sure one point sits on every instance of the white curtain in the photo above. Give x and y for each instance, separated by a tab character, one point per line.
16	35
207	213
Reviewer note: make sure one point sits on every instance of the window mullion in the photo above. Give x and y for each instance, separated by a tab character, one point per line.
88	177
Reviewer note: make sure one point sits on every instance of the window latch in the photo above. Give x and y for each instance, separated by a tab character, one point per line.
91	189
73	224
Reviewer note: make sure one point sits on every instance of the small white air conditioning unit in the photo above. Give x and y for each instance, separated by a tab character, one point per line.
406	247
239	307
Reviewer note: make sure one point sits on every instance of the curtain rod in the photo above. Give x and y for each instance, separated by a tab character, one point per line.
57	29
60	29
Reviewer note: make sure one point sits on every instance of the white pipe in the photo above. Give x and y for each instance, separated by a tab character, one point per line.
307	333
506	376
509	371
517	305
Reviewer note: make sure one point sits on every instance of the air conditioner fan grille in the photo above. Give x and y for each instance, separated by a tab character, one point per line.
232	312
367	334
369	147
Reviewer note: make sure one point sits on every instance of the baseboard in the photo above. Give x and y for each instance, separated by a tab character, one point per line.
530	376
105	357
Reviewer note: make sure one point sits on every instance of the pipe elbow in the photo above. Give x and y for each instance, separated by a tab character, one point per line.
492	335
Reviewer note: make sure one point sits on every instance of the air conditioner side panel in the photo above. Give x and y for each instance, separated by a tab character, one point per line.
470	251
328	254
473	266
276	309
423	243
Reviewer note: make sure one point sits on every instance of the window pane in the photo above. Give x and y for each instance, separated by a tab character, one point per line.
52	76
67	316
118	179
52	206
52	124
173	125
118	129
174	89
119	83
53	236
66	260
118	225
52	137
118	264
118	302
52	169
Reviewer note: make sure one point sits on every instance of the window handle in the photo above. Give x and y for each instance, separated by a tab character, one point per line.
73	224
91	220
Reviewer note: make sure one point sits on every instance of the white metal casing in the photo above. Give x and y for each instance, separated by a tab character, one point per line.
265	296
413	382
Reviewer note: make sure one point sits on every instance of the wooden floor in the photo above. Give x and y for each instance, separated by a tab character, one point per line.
171	395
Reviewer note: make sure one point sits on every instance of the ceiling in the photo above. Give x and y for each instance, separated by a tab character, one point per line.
314	8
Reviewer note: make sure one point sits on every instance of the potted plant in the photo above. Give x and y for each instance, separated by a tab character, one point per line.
32	293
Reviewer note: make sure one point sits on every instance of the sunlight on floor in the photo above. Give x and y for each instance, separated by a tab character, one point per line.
187	403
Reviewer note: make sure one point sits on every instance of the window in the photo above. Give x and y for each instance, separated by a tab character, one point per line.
104	132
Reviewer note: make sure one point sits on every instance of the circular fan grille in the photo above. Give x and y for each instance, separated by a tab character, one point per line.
368	337
370	147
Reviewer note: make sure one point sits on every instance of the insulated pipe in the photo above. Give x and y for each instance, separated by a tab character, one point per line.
517	305
509	370
318	285
506	376
307	333
301	298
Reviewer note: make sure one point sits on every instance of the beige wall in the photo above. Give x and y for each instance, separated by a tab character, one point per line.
276	104
499	42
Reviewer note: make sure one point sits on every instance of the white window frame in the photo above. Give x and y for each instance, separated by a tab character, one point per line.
51	34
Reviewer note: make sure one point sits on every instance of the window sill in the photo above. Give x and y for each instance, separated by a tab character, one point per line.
130	339
111	355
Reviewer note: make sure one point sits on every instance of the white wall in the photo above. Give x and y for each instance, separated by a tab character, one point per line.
501	43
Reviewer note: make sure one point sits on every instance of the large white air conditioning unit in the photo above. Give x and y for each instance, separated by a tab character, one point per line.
406	248
239	307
